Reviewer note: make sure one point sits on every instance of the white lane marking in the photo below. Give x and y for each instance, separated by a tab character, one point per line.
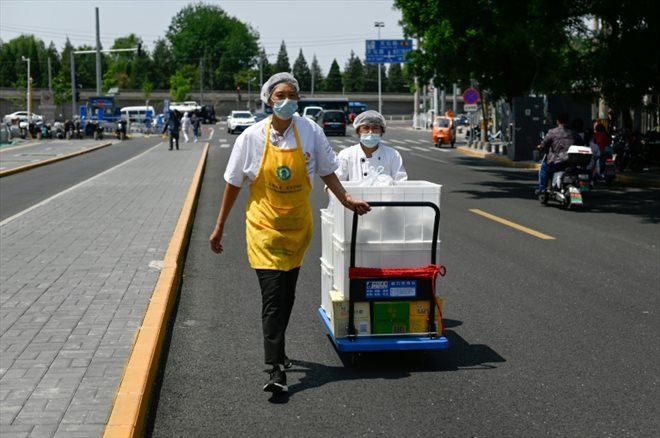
426	157
211	134
224	145
395	141
403	148
57	195
414	141
419	148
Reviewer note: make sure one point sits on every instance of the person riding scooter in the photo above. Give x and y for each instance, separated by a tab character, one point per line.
555	148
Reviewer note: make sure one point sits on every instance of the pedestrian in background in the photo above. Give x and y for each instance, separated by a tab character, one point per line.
278	157
362	160
173	126
185	126
196	126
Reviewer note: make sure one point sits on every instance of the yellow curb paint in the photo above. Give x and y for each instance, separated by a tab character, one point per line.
50	160
512	224
131	403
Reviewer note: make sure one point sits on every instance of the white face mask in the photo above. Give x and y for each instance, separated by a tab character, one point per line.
284	109
370	140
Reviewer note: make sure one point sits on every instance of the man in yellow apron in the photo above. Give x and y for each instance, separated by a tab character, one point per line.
279	156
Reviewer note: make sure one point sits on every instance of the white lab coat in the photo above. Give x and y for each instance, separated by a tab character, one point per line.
354	165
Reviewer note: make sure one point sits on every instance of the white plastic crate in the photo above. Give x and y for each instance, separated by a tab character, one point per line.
326	285
326	236
387	224
378	255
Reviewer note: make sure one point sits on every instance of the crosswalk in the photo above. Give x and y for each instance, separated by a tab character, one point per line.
343	143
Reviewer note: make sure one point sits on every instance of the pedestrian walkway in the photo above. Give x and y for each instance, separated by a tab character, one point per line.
78	272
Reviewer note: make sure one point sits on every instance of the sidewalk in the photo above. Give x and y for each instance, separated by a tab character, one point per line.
650	177
78	272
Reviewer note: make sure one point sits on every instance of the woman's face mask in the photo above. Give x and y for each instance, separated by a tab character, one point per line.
284	109
370	140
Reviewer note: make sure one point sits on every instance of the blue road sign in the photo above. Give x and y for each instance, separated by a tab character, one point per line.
387	51
471	96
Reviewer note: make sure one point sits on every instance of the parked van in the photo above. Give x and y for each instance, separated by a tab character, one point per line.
138	114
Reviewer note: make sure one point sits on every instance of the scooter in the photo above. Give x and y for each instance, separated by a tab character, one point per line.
567	186
120	129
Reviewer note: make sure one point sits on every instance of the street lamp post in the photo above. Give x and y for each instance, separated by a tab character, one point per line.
379	24
249	105
29	94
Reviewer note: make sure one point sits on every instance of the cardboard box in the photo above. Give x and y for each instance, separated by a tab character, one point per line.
338	316
419	316
391	317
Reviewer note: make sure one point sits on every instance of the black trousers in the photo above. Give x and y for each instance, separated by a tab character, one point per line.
278	292
174	138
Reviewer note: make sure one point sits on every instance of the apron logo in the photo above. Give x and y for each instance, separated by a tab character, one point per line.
283	173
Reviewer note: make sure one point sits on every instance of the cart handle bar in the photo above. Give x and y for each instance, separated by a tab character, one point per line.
436	223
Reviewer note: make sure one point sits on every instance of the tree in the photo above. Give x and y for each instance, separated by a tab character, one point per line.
180	85
510	48
618	58
333	82
371	78
13	70
282	63
353	78
163	65
395	81
302	72
317	75
203	31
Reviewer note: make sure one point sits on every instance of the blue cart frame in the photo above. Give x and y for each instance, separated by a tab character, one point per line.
353	343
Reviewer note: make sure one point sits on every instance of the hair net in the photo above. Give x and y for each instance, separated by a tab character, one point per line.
369	117
273	81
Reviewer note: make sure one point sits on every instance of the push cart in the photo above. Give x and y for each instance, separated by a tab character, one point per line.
390	285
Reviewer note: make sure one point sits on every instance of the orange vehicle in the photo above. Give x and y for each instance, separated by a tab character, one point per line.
443	131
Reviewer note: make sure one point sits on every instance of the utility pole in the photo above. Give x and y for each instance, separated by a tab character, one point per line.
99	89
454	93
50	76
73	85
416	98
29	94
379	24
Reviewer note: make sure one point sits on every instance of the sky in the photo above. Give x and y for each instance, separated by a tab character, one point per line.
328	29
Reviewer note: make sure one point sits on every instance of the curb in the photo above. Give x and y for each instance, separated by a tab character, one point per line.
50	160
130	406
632	180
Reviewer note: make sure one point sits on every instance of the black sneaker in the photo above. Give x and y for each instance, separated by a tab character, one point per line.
287	363
277	381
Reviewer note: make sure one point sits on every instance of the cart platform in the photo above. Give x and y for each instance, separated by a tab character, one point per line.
383	343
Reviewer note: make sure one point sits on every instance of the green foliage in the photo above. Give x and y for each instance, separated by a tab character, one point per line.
282	63
181	84
395	81
333	82
317	74
353	78
302	72
162	65
512	48
203	31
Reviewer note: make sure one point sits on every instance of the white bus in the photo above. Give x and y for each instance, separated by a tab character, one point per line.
137	114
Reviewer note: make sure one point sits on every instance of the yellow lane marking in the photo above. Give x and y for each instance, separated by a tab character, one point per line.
512	224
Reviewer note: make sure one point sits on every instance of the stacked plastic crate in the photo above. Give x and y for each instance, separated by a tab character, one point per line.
387	237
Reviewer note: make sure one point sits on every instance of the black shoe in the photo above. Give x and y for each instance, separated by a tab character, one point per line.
287	363
277	381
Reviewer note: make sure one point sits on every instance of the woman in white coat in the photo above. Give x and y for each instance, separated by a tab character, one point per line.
185	126
370	156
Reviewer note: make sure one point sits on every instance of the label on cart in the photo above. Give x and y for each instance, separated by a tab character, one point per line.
391	289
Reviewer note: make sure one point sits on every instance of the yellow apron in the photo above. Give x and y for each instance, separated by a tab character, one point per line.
278	215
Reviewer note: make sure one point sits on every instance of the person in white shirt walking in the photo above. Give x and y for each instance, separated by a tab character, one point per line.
370	157
278	157
185	126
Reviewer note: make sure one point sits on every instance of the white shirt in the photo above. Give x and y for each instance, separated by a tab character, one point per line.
245	159
185	122
354	165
